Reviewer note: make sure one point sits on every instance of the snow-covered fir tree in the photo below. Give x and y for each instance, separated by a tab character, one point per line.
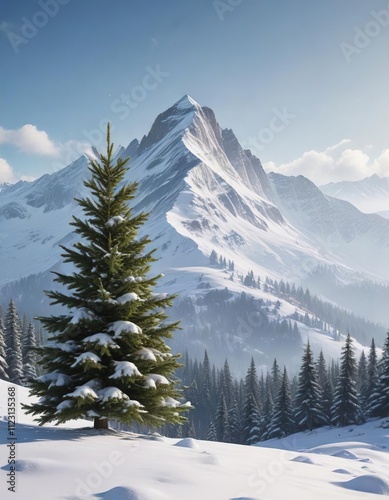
234	422
372	380
29	354
205	407
325	385
227	384
309	411
106	358
221	421
13	334
3	357
282	422
251	407
267	411
380	407
249	418
211	434
361	384
276	378
345	408
251	384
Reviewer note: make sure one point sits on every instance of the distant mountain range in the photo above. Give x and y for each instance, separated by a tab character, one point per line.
370	195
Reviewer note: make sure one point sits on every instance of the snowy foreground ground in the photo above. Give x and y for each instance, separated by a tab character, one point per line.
72	463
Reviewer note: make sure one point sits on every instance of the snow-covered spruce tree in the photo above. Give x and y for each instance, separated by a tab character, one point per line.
361	384
325	386
282	422
234	423
250	417
211	434
29	355
251	383
276	378
309	411
107	358
222	425
267	412
13	334
372	379
380	407
3	360
345	408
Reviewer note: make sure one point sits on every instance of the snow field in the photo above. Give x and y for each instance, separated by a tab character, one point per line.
73	462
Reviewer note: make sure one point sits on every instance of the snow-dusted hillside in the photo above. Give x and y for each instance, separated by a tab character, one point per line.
72	462
370	195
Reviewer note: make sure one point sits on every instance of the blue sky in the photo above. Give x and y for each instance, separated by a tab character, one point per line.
301	83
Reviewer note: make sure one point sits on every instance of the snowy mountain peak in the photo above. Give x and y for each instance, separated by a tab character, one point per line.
178	117
186	102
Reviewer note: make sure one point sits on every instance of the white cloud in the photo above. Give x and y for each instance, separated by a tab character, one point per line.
336	163
6	172
30	140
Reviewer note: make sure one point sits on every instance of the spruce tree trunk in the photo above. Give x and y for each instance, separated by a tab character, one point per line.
100	423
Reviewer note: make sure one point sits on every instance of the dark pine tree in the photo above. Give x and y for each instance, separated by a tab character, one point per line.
211	434
267	412
282	422
107	357
13	334
227	384
321	370
255	431
250	418
29	354
361	371
276	377
235	428
221	421
372	379
309	411
381	397
213	258
205	407
361	384
325	386
251	384
345	408
3	357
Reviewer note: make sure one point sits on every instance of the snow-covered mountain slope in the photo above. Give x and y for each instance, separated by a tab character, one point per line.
370	195
204	192
75	462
